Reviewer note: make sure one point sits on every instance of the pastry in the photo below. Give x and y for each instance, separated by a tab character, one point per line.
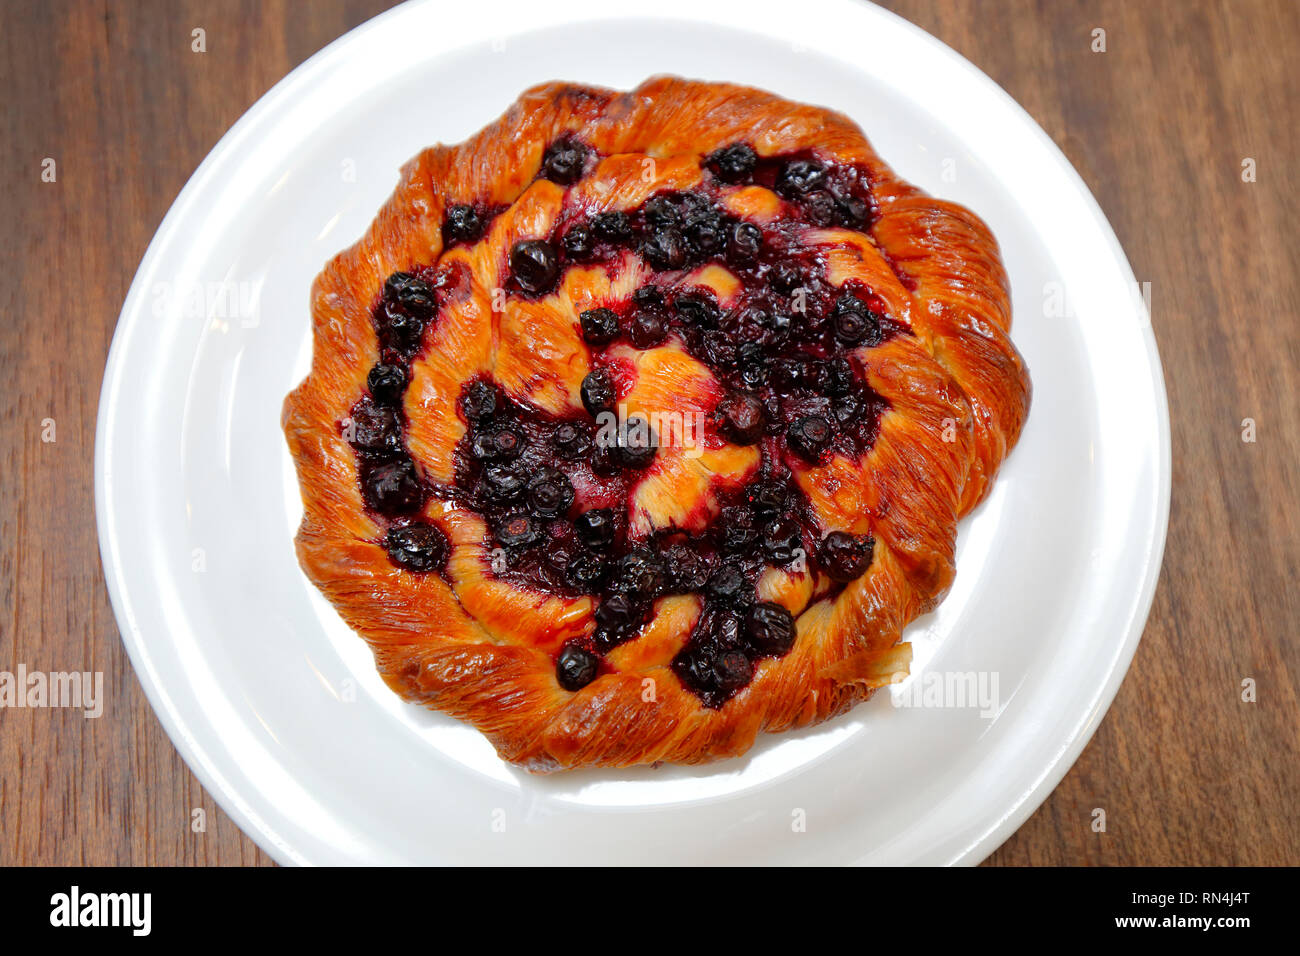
640	422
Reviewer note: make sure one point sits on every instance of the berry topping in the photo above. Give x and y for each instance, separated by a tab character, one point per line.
799	177
733	164
387	383
745	243
479	402
620	611
417	547
392	488
534	265
597	392
517	531
845	556
504	444
664	249
579	244
782	540
398	329
599	326
727	584
855	323
648	329
586	572
697	310
463	224
770	629
374	428
742	418
809	437
549	493
411	293
595	527
575	668
571	441
501	484
563	162
612	226
713	672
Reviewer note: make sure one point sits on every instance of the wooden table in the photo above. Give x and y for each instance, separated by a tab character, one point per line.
1158	125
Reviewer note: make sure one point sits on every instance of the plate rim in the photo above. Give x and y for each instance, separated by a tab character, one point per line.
199	761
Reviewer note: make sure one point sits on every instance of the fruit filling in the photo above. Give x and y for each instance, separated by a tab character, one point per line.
554	494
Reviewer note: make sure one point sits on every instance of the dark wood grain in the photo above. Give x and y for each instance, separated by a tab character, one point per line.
1158	126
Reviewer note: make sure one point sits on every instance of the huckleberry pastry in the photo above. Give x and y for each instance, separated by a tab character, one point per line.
641	422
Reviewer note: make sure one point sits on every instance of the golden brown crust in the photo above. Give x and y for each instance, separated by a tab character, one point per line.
481	650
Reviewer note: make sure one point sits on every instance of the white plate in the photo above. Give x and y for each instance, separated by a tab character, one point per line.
276	705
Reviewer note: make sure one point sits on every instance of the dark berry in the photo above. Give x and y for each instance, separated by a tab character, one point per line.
534	265
579	244
663	211
728	584
640	575
599	326
417	547
687	570
571	441
809	437
411	293
375	428
846	409
770	629
648	329
854	327
399	329
706	232
839	377
753	375
664	249
713	672
719	350
734	163
821	208
738	533
504	444
697	310
785	277
595	528
648	297
392	488
815	374
597	392
563	162
855	322
768	498
844	556
463	224
501	484
612	226
517	531
786	373
550	493
480	402
742	418
799	177
620	612
586	571
636	450
575	668
782	540
387	383
745	242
